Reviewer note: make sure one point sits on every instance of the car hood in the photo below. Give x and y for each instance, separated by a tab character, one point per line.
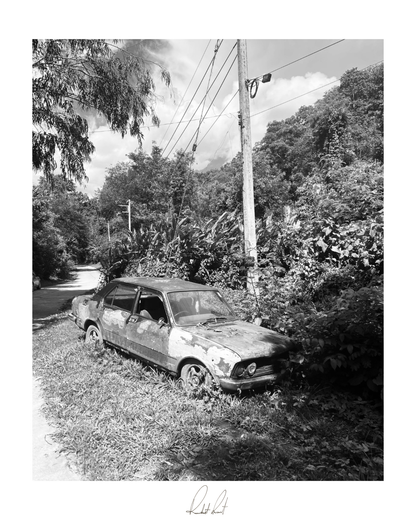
245	339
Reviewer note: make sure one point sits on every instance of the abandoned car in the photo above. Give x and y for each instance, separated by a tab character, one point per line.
185	328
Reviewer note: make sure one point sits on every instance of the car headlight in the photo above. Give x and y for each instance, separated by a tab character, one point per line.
239	371
251	369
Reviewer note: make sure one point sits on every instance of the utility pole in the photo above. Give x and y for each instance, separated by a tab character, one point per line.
250	242
128	206
129	210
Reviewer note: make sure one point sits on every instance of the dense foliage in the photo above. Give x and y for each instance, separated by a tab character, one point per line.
318	179
319	205
64	225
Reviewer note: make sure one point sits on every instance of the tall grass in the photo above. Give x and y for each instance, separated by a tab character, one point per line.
118	419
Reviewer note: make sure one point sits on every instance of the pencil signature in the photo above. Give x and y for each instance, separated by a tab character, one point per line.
199	507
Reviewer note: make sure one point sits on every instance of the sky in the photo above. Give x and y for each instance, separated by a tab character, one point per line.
188	60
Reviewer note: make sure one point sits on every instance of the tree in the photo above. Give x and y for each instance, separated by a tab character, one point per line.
50	256
289	147
155	185
74	76
72	214
364	91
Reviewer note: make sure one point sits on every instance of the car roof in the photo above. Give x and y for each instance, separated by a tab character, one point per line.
164	285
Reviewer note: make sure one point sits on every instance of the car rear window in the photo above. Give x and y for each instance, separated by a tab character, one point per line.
123	298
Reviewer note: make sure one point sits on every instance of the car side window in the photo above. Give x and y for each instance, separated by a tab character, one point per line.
151	306
108	300
124	297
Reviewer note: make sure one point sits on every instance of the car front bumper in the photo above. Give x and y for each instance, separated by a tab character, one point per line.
235	385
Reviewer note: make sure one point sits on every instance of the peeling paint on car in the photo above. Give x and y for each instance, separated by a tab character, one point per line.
184	344
247	340
144	326
84	312
217	341
115	317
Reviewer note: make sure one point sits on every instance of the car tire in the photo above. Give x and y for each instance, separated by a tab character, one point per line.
195	375
93	335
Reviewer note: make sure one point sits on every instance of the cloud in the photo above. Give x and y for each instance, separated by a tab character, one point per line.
277	92
181	57
217	138
110	149
222	141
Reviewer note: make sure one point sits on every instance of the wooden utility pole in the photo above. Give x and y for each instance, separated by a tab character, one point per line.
250	242
128	206
129	212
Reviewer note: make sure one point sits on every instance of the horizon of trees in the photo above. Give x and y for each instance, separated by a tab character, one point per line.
343	128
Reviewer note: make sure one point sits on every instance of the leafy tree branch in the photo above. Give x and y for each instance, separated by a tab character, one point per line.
88	74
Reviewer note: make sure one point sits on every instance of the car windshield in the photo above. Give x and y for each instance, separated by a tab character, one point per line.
194	307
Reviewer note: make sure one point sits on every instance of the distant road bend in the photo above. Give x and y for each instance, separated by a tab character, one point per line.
53	295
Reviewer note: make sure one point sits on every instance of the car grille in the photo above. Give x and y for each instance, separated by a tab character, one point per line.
265	366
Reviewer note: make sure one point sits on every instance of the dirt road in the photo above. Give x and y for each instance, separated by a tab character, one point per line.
48	464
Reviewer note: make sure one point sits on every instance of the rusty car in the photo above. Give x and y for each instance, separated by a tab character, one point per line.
185	328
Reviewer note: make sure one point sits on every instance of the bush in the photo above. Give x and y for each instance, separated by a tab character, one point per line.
343	341
348	339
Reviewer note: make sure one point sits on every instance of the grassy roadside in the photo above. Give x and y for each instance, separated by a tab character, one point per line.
117	419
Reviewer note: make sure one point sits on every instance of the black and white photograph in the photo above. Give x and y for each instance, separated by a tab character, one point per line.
207	272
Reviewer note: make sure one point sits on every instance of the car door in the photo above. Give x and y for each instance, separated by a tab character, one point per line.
118	305
148	329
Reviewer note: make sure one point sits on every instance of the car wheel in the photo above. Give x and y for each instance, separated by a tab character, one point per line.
194	376
93	334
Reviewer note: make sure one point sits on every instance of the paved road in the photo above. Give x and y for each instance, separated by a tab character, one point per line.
48	464
53	295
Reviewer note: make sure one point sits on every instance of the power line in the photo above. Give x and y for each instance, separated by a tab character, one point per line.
197	131
253	115
197	108
189	104
299	59
205	98
297	97
226	106
309	92
280	104
183	97
219	88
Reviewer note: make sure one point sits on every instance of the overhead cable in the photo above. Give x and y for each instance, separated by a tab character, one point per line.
219	88
197	108
232	113
183	97
203	106
189	104
309	92
299	59
223	110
